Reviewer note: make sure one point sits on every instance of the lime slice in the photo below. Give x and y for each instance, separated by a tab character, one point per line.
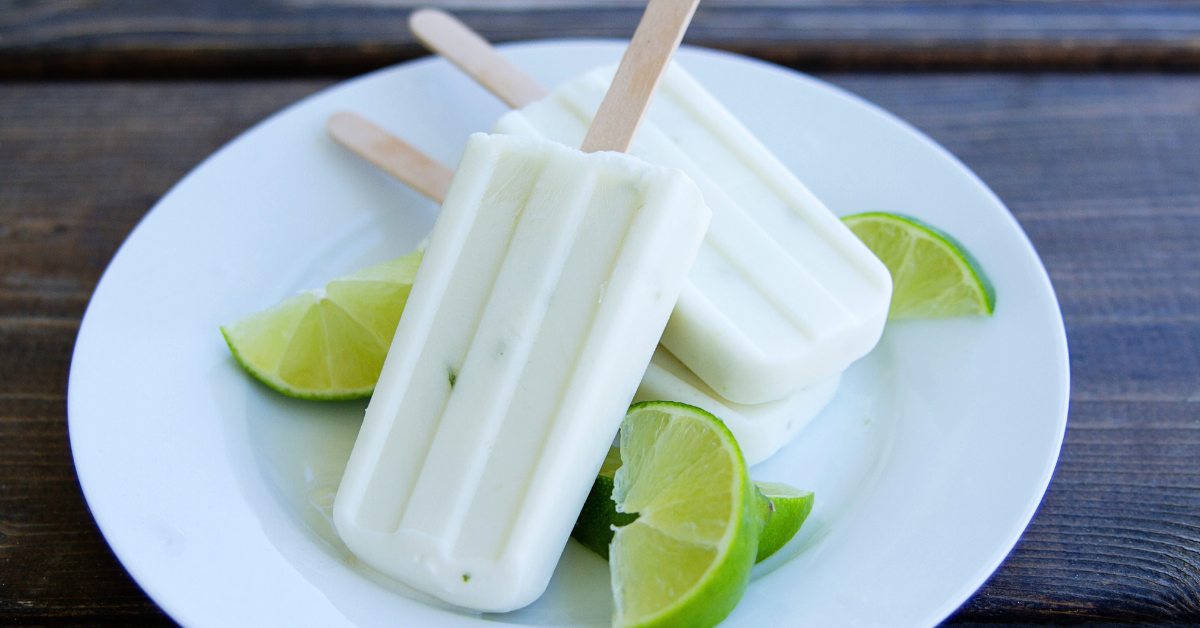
595	526
686	559
327	344
790	507
933	275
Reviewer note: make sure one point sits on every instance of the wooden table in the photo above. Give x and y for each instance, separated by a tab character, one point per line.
1083	116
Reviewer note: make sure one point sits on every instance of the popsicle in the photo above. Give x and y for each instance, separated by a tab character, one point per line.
782	294
547	281
760	429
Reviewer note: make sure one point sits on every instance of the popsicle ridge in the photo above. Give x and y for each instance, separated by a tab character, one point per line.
463	289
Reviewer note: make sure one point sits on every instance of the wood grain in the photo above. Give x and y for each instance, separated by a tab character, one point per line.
79	166
213	38
1103	172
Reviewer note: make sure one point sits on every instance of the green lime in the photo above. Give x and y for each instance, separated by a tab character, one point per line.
594	527
933	275
789	508
686	559
327	344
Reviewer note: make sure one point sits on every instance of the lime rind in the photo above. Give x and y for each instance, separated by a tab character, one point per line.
983	300
653	595
791	507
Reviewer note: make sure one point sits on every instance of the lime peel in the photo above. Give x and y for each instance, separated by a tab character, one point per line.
790	507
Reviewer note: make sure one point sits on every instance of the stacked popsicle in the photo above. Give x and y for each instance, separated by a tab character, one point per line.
761	429
782	296
548	281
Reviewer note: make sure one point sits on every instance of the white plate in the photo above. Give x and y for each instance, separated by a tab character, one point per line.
213	490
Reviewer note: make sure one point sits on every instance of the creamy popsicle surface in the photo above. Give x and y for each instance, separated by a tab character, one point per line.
760	429
782	295
547	282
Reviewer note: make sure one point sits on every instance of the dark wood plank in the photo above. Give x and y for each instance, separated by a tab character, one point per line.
79	165
175	38
1103	171
82	163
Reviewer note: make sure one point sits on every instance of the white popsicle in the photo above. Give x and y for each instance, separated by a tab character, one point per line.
548	279
782	294
760	429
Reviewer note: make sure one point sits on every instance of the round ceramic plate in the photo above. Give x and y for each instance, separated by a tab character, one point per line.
215	492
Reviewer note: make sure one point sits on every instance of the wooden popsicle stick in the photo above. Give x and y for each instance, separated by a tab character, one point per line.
642	68
391	154
442	33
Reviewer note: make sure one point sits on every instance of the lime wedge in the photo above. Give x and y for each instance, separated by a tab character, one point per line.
686	559
789	508
595	526
933	275
327	344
